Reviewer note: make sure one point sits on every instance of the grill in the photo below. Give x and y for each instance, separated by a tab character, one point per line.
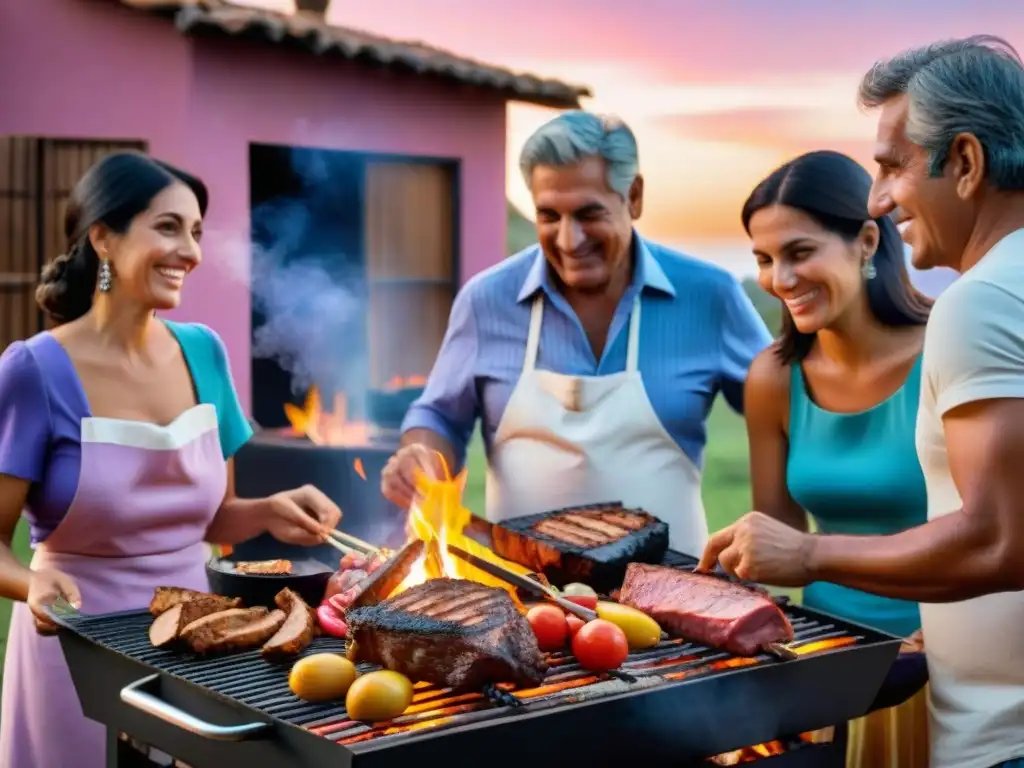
675	704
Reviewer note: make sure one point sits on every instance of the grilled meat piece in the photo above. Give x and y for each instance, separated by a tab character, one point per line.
220	622
165	598
296	633
706	609
168	625
588	544
265	567
242	638
451	632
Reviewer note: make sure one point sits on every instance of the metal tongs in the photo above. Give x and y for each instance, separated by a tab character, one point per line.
524	582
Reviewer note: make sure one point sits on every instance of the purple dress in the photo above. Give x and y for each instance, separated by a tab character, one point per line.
120	506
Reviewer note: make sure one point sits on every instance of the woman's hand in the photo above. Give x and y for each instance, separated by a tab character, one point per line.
301	516
44	588
914	643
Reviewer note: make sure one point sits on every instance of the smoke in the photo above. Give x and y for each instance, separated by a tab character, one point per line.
308	288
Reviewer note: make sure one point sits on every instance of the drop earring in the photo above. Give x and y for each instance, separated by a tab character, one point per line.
106	276
867	269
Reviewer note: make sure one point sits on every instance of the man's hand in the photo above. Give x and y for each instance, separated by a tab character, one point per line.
398	480
760	548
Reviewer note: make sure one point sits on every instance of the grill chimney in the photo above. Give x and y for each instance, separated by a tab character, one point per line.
318	7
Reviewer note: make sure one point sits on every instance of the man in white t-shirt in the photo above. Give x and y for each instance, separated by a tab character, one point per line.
950	149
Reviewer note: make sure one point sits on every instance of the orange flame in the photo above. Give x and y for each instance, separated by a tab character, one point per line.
357	465
438	518
750	754
410	382
326	427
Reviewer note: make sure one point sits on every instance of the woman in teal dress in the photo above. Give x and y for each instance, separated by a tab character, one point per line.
831	407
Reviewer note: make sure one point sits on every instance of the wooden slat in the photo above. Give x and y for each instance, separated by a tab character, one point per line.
33	198
410	257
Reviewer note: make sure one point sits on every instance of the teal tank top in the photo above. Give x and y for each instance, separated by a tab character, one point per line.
858	474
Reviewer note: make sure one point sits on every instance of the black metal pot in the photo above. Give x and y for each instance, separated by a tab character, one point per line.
309	578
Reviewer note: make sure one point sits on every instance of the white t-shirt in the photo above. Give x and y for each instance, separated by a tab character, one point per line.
973	350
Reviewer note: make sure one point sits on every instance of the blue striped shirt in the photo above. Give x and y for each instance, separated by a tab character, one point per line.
698	334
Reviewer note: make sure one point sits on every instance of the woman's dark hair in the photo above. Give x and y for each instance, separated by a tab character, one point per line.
112	192
833	190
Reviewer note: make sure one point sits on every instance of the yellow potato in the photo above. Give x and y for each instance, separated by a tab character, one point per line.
377	696
641	630
322	677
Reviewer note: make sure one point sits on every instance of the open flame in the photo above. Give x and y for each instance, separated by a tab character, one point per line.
409	382
750	754
326	427
438	518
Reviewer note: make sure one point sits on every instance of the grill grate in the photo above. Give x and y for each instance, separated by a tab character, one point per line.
249	679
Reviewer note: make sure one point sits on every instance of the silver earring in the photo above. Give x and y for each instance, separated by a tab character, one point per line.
106	276
867	269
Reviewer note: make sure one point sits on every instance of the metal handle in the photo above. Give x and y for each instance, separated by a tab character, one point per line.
134	695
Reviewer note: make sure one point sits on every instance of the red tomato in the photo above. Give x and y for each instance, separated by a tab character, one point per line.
548	624
331	621
587	601
600	645
575	624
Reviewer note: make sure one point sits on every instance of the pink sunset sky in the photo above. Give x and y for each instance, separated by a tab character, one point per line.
718	93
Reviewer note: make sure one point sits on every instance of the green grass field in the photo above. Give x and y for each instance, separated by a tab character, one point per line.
726	486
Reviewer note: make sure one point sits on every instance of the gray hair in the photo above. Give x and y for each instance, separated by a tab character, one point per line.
574	136
970	85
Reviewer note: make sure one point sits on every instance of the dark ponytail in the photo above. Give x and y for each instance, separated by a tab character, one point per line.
112	192
833	190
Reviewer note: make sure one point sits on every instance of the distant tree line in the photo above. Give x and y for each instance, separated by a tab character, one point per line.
523	233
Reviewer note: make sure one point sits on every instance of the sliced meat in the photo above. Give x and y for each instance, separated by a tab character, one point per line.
165	598
706	609
451	632
217	623
266	567
588	544
168	625
237	637
296	633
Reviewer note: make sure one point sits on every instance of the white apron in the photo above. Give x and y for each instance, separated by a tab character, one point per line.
571	440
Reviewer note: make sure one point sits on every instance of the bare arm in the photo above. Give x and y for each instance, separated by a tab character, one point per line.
14	577
974	551
237	520
766	395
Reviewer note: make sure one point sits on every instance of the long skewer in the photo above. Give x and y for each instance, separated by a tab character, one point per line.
347	539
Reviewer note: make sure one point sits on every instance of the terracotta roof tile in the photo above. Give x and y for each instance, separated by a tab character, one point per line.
313	34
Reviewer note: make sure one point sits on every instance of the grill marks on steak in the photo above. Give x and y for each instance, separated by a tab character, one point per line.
451	632
234	634
589	544
706	609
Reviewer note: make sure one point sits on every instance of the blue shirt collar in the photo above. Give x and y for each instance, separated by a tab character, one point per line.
647	275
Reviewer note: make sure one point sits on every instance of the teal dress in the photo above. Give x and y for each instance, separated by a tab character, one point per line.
858	474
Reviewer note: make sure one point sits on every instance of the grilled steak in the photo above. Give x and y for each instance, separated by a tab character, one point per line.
450	632
168	625
296	633
706	609
589	544
238	629
165	598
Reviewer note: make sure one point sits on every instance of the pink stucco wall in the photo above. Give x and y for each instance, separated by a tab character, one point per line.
93	69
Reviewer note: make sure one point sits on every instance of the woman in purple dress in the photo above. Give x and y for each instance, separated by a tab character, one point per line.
117	432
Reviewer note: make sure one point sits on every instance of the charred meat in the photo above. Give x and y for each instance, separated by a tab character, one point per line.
706	609
167	627
450	632
296	633
238	629
588	544
265	567
165	598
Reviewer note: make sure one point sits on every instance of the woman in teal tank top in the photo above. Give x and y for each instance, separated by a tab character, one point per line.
831	407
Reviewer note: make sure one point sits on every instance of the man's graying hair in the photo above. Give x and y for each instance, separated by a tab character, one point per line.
574	136
970	85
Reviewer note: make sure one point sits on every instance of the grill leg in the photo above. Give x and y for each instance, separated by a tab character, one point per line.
121	754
